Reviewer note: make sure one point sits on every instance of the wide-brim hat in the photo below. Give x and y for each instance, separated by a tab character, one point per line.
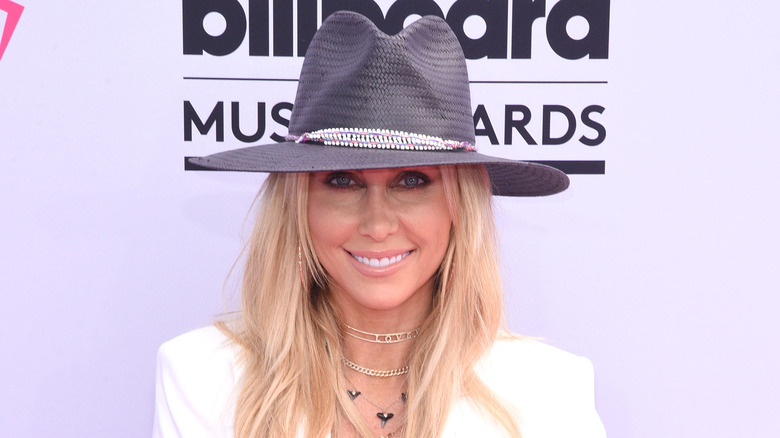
368	100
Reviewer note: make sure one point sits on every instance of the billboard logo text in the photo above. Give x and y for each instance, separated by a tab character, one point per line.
506	36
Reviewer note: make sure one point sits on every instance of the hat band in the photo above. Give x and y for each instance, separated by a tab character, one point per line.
380	139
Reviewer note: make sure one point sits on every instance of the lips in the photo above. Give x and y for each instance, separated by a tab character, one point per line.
380	262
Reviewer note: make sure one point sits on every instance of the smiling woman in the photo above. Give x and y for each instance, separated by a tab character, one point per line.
380	234
371	297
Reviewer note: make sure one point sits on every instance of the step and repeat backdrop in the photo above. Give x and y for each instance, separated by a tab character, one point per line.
659	263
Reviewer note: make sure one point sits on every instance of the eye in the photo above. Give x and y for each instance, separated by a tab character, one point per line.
412	180
340	180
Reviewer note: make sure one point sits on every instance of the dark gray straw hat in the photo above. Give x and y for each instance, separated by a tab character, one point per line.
367	100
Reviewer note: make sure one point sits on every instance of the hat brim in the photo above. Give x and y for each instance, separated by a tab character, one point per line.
508	177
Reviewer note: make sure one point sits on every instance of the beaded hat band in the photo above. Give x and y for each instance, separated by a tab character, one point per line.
381	139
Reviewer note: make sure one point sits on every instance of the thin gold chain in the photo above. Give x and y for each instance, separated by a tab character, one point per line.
383	338
375	373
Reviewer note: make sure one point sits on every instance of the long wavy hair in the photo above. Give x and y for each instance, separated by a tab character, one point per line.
289	328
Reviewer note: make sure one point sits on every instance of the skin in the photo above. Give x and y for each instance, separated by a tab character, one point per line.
376	214
401	216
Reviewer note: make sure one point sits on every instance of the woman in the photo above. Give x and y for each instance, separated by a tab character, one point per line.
371	300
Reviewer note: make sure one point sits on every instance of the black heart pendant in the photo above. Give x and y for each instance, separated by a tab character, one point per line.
384	417
353	394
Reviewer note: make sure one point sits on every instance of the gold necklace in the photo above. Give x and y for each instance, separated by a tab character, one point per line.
375	373
384	414
382	338
393	433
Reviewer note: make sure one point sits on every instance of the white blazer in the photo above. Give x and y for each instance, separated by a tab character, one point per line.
550	390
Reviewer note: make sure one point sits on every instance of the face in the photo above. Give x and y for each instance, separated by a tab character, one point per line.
380	234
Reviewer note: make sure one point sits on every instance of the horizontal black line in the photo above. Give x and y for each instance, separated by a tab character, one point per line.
203	78
542	82
192	166
206	78
577	167
569	167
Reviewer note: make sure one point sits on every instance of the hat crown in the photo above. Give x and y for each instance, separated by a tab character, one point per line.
356	76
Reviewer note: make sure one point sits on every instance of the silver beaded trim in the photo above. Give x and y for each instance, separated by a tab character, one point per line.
381	139
375	373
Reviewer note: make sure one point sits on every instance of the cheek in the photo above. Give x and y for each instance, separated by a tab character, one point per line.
432	225
321	224
441	230
329	224
317	217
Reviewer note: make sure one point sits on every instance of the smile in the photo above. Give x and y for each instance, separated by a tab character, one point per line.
380	263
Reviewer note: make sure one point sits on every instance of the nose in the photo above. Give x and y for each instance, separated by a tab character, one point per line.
378	220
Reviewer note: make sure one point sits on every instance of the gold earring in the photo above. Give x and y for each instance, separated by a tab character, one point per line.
451	274
300	265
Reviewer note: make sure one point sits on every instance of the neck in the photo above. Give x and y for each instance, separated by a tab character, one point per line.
381	322
380	355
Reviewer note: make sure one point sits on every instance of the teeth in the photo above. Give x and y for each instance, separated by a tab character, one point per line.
383	262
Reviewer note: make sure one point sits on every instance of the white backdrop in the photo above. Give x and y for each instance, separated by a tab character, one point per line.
663	270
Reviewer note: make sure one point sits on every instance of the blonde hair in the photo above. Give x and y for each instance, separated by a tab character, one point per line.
290	334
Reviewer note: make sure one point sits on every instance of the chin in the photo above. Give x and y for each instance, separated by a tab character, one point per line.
385	296
382	303
382	299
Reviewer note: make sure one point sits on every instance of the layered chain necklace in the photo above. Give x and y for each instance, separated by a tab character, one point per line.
385	414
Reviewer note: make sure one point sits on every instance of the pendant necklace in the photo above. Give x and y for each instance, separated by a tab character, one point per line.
384	414
393	433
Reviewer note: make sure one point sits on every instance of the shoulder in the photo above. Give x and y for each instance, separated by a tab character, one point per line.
550	390
204	357
207	343
521	357
197	374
